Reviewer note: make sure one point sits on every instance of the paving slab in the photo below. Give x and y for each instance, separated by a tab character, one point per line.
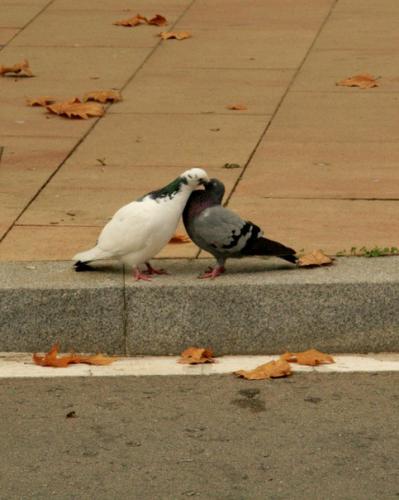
7	34
182	141
204	91
87	28
277	14
26	164
234	48
332	225
143	7
338	170
89	196
366	29
323	68
354	117
70	72
259	306
17	15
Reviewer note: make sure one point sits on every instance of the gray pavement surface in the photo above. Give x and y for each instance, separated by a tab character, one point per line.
258	307
306	437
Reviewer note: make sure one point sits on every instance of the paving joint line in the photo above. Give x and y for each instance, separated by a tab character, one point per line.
20	30
290	84
90	129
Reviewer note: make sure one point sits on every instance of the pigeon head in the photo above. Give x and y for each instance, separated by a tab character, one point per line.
215	189
195	177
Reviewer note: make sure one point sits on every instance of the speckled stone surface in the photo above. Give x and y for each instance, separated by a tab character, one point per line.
258	306
268	306
43	303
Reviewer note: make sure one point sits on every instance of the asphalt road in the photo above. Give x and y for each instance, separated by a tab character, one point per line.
310	436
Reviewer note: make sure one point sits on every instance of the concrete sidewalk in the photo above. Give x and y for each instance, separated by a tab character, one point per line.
317	163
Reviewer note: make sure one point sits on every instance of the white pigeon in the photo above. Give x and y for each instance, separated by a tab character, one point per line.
140	229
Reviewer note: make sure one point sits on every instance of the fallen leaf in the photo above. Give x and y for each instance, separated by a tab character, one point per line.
103	96
76	109
272	369
52	359
364	81
196	355
40	101
179	238
131	21
237	107
21	69
316	258
157	20
312	357
178	35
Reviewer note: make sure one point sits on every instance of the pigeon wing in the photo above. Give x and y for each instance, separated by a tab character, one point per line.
128	231
221	231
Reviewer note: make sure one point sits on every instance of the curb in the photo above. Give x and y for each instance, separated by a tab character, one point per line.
259	307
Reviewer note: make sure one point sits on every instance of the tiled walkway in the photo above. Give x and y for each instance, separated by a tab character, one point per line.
318	164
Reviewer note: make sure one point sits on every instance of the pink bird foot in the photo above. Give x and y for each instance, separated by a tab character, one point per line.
138	275
212	273
151	270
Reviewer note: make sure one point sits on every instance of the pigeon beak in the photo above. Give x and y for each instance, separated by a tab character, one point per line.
203	182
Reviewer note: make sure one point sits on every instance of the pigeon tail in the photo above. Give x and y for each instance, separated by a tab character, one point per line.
94	253
263	246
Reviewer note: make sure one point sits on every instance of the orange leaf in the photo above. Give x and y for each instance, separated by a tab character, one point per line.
312	357
77	109
196	355
273	369
178	35
364	81
40	101
237	107
179	238
52	359
158	20
21	69
132	21
316	258
103	96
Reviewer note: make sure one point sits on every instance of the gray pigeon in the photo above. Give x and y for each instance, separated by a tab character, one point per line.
223	233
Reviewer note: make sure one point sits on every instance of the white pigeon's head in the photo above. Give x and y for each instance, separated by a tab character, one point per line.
195	177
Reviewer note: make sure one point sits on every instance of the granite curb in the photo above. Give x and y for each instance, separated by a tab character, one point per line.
259	307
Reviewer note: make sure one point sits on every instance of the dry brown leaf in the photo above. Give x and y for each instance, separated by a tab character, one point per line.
273	369
179	238
178	35
40	101
364	81
76	109
196	355
52	359
20	69
237	107
103	96
312	357
157	20
315	258
131	21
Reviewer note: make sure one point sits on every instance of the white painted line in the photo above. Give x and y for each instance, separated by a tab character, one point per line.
16	365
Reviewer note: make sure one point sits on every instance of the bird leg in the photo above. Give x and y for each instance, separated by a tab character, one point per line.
213	273
151	270
139	275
